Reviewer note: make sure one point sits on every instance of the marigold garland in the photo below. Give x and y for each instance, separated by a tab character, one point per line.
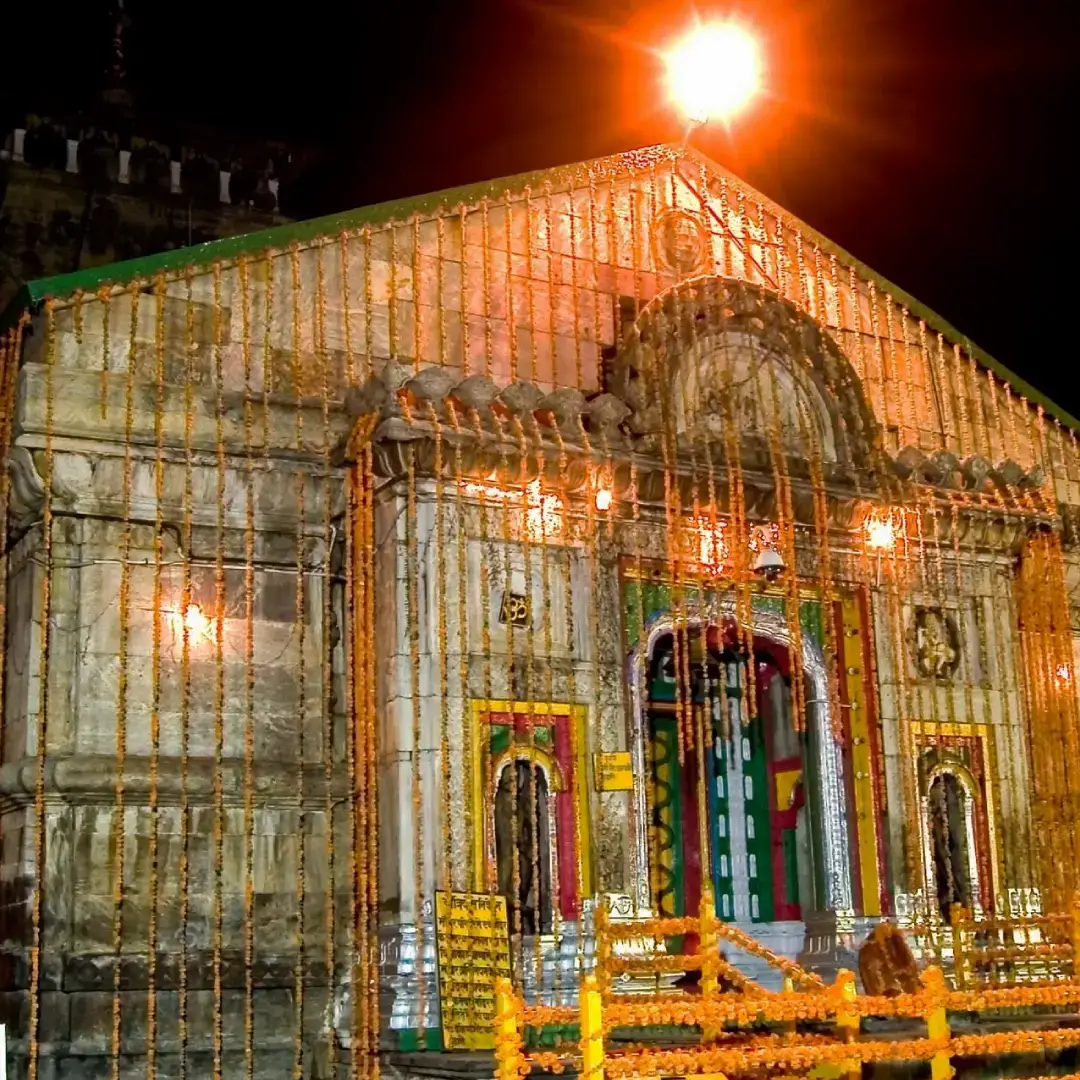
738	1051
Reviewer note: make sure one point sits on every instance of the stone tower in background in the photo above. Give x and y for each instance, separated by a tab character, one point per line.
103	182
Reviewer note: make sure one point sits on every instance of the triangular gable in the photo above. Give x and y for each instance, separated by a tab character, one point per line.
590	245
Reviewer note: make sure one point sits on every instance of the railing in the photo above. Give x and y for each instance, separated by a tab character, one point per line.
985	951
725	1046
725	1019
628	948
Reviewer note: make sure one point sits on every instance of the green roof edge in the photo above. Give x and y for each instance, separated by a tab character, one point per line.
932	319
279	236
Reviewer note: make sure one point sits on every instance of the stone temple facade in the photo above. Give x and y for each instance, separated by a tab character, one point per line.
598	536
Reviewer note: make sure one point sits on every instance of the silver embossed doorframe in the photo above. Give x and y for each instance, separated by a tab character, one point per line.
832	825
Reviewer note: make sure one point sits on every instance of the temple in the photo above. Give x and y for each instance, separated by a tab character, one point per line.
603	540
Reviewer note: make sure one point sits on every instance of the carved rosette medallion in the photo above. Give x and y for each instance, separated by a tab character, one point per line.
680	241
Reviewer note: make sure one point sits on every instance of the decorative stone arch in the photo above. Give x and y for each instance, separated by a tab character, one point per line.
704	316
545	762
761	386
836	857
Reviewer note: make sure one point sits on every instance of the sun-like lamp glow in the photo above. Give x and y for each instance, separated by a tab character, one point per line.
543	510
544	516
709	545
192	623
602	500
880	532
715	71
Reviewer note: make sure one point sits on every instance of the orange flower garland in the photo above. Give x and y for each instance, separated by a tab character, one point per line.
733	1051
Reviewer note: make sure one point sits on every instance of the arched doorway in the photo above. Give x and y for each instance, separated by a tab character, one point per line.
523	846
823	818
740	762
951	856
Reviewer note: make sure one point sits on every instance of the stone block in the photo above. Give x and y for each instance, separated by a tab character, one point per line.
277	918
93	928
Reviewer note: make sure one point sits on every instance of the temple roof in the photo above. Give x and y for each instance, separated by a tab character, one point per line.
31	295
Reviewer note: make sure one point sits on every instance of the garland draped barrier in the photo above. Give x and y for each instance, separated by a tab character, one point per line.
987	950
841	1054
722	1016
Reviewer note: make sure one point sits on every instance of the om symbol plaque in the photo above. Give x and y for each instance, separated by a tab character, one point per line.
514	610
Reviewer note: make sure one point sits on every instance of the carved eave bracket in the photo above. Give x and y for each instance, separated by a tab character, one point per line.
974	475
992	529
1070	527
973	502
438	424
26	487
473	428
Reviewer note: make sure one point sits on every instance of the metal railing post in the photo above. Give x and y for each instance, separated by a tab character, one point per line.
708	947
508	1058
591	1008
708	943
789	988
937	1023
1074	936
957	914
601	932
848	1022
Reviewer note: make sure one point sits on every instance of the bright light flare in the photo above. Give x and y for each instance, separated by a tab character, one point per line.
708	543
603	499
880	534
715	71
193	623
543	511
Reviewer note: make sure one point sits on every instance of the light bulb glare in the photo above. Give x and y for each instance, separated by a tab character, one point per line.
191	624
198	625
714	72
880	532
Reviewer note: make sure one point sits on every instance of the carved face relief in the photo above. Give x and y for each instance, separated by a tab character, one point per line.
680	239
937	643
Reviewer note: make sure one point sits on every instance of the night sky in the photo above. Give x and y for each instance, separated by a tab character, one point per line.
930	138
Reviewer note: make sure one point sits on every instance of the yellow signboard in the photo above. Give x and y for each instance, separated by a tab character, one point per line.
474	950
613	772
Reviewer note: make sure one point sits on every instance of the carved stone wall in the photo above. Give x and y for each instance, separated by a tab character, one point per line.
568	653
129	748
975	692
